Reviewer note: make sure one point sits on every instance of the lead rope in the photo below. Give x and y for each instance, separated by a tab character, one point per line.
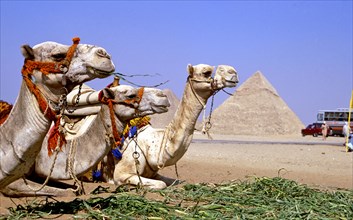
136	156
79	190
207	124
61	107
56	150
64	106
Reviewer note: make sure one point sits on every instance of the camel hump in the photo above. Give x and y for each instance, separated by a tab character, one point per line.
5	109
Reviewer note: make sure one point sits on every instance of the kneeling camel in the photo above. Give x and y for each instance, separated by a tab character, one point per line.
93	137
50	71
154	149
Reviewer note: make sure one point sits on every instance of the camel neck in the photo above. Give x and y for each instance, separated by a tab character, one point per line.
49	94
188	111
108	123
22	135
26	110
180	130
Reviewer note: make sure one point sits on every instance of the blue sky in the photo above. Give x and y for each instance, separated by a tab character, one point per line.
304	48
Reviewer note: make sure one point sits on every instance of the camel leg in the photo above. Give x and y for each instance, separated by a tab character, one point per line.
19	188
146	182
108	165
125	173
169	181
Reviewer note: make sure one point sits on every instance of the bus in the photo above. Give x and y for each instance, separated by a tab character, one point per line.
335	119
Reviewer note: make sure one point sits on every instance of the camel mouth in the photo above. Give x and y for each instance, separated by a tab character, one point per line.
159	108
230	83
102	73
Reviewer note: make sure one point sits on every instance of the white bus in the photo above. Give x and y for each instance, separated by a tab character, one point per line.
335	119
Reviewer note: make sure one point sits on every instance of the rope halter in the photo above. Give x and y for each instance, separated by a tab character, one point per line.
132	102
209	80
51	67
206	124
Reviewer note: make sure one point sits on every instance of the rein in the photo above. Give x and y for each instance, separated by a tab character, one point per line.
56	136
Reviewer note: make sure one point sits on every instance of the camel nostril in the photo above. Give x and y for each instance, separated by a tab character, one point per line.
161	94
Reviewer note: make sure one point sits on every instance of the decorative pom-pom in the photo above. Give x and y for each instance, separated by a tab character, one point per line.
76	40
117	154
96	174
132	131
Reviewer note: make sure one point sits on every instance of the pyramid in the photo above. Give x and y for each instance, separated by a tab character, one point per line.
162	120
255	109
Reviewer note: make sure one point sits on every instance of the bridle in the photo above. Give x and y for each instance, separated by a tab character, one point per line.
46	68
132	102
208	80
206	124
56	137
51	67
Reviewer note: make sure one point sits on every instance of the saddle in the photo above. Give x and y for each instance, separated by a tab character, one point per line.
82	109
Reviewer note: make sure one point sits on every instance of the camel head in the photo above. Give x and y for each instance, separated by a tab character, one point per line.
200	78
133	102
69	65
226	76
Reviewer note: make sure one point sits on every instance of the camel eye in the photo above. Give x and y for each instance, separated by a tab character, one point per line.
132	96
231	72
59	56
208	74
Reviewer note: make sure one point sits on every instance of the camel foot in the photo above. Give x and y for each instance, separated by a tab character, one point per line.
20	189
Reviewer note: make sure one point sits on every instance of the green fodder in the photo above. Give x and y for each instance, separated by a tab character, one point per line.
258	198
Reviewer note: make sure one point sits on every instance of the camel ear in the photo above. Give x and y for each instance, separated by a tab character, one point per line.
108	93
190	70
27	52
221	69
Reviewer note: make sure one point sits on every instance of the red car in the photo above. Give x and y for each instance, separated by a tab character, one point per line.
312	129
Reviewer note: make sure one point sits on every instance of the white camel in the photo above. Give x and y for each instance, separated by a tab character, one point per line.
93	143
154	149
50	71
92	137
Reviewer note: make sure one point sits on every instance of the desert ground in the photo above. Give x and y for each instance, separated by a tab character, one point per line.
307	160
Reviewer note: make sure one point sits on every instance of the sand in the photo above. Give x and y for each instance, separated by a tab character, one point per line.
307	160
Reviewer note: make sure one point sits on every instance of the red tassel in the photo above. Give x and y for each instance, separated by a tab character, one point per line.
54	136
5	109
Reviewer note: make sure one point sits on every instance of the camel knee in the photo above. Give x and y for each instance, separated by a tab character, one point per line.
138	180
158	185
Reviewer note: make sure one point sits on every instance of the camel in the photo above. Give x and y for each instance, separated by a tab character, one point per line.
153	149
92	138
94	143
50	71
